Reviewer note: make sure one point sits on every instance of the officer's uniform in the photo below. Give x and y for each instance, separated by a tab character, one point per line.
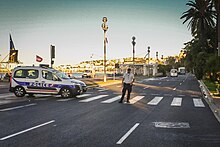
127	85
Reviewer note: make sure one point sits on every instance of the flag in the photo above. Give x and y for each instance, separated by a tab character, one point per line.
38	58
13	54
12	47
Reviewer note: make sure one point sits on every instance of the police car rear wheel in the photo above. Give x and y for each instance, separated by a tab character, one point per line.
19	91
65	93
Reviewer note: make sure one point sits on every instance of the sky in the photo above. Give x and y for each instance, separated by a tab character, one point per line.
74	27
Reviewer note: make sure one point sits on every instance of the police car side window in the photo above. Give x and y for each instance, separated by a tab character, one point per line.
49	75
32	74
19	74
26	73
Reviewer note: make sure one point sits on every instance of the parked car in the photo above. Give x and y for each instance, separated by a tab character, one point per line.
88	74
42	80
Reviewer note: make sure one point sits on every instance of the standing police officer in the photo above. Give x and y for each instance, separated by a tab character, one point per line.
127	81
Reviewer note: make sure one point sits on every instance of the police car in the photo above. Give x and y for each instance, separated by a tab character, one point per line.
43	80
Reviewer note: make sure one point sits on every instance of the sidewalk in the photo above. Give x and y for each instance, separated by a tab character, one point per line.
213	101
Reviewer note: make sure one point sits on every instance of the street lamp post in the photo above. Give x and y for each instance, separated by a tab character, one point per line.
148	51
133	43
105	28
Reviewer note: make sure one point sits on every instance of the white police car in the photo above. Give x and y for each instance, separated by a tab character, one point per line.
42	80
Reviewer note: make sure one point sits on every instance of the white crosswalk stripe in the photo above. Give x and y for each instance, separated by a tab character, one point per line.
198	103
176	101
93	98
6	95
111	100
136	99
83	95
155	101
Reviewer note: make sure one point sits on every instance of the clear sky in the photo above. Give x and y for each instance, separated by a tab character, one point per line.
74	27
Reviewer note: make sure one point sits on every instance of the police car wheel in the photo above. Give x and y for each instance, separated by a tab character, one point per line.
65	93
19	91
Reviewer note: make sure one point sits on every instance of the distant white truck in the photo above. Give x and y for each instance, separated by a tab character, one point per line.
173	73
182	70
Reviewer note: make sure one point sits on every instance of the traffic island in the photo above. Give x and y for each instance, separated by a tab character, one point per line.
212	100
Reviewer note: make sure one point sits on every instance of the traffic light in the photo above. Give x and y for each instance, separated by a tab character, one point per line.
52	51
13	56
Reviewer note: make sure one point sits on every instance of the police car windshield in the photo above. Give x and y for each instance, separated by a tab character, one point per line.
62	75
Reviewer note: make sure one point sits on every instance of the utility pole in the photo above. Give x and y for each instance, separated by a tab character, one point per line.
133	43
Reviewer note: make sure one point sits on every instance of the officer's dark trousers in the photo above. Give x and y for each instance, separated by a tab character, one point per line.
126	87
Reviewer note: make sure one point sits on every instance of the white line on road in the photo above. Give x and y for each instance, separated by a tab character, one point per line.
24	131
181	95
128	133
198	103
6	95
176	101
155	101
154	94
102	90
135	99
111	100
167	94
93	98
17	107
64	100
83	95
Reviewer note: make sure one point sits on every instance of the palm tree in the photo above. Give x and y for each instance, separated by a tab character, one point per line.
201	17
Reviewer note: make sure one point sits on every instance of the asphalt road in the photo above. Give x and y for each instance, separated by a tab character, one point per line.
167	112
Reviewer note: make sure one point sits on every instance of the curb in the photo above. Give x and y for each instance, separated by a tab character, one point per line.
106	84
209	99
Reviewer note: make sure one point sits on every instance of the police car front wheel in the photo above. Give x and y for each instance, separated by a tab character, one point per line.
65	93
19	91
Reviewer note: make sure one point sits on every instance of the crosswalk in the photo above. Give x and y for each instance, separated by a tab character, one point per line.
108	99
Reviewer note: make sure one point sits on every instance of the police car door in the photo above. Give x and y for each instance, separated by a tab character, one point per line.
49	81
32	78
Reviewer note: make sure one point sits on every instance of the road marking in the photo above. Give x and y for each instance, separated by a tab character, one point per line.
198	103
93	98
155	101
128	133
167	94
154	94
102	90
111	100
118	86
27	130
174	88
176	101
17	107
6	95
168	125
181	95
64	100
136	99
83	95
146	87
